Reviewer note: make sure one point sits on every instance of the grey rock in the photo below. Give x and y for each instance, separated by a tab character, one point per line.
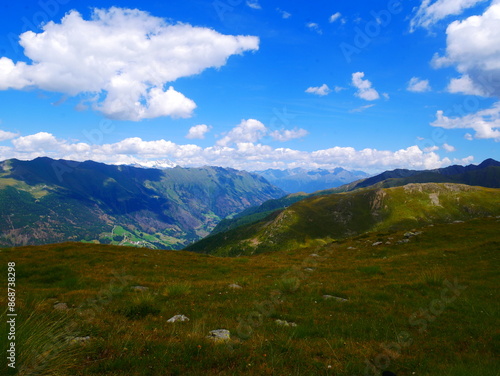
79	340
285	323
139	288
235	286
328	297
61	306
376	243
219	335
176	318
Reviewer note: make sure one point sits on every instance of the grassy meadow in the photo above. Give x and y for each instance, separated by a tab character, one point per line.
423	306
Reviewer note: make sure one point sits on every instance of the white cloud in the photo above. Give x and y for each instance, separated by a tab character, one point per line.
250	130
365	90
335	17
246	155
431	148
463	161
254	4
198	131
4	135
124	57
284	14
449	148
465	85
485	123
362	108
38	141
315	27
473	47
417	85
428	14
288	134
320	90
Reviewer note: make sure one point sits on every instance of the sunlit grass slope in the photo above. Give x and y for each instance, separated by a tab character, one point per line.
427	307
317	219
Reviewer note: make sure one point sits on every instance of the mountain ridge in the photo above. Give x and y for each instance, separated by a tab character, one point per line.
322	219
486	174
58	200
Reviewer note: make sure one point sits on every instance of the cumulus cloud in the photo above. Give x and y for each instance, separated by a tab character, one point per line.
240	148
248	155
365	90
198	131
315	27
46	143
250	130
449	148
431	148
417	85
38	141
319	90
334	17
288	134
427	14
485	123
465	85
473	47
254	4
123	58
4	135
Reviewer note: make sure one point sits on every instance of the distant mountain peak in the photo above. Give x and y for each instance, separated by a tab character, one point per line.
300	179
159	164
489	162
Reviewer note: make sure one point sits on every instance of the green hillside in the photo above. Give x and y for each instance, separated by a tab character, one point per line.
423	307
486	174
325	218
46	201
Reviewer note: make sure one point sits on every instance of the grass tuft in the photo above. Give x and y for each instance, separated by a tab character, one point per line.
432	278
175	290
288	285
142	305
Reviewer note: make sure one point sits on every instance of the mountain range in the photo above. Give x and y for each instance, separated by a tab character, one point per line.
46	201
486	174
309	181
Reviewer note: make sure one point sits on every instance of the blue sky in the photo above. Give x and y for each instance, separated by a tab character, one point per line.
370	85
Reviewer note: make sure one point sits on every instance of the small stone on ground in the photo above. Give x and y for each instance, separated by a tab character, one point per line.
139	288
81	340
285	323
178	318
327	297
220	335
61	306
